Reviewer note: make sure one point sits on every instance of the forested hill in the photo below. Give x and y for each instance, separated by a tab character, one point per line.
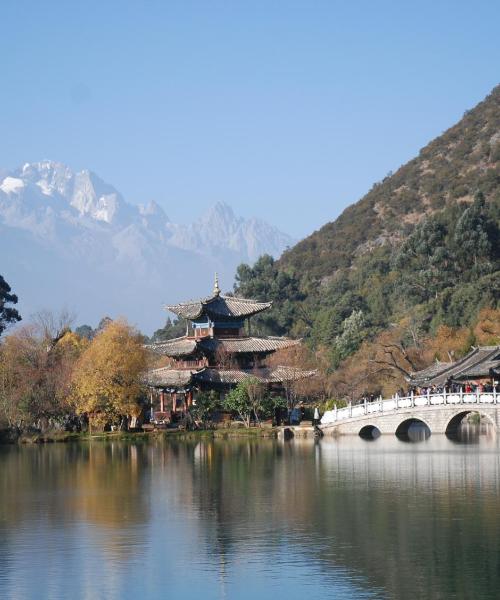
423	246
449	170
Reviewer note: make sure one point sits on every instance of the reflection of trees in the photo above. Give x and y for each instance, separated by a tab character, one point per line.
98	484
417	521
412	521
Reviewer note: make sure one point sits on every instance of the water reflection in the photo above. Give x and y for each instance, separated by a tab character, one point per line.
470	428
413	430
333	519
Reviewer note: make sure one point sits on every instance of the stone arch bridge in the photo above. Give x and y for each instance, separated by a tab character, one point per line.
442	413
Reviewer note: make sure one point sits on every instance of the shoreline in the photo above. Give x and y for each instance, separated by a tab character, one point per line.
6	438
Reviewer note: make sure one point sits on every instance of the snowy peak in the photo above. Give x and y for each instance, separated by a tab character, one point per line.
73	227
93	197
83	191
51	177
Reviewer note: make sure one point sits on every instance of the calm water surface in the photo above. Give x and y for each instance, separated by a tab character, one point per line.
331	519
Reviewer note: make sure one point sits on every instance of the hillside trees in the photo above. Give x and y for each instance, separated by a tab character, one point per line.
476	239
264	282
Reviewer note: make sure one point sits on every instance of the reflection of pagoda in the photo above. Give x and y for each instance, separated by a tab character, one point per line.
216	352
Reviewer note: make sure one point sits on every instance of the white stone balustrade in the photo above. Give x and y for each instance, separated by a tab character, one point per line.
380	407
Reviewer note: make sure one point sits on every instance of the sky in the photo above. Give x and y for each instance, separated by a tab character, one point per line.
288	111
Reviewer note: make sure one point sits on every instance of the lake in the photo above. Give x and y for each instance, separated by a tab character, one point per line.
345	518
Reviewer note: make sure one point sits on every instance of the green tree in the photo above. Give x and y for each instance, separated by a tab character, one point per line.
8	314
425	262
237	401
205	407
172	329
85	331
246	399
474	237
265	282
353	333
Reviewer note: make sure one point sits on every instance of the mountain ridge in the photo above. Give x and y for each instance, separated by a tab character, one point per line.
393	206
422	247
77	218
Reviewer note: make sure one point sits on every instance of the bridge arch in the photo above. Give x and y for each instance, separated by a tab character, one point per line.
369	432
408	432
454	423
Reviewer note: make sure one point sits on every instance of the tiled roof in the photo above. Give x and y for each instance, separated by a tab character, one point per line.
485	368
219	306
234	376
475	364
257	344
420	377
182	346
185	346
168	377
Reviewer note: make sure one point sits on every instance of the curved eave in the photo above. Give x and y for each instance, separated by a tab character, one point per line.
174	348
168	377
219	306
252	345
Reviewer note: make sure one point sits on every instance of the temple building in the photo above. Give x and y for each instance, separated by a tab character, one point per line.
481	366
217	352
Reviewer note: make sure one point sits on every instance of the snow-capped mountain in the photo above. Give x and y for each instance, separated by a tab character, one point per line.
70	239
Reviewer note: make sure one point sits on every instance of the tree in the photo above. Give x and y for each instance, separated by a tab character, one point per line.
8	314
236	400
265	282
353	332
255	388
85	331
476	235
172	329
246	399
107	381
205	406
36	365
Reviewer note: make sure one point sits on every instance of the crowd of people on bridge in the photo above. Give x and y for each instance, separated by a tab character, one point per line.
450	387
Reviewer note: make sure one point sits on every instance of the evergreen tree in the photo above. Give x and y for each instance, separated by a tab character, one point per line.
8	314
473	245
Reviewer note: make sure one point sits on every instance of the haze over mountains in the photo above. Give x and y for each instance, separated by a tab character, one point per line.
70	239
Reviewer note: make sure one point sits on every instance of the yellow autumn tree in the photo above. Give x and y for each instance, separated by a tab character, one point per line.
107	378
487	329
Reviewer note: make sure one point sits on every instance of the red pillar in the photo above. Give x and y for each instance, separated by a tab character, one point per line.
162	401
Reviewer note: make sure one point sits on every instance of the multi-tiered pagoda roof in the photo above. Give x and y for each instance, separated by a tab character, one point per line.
218	351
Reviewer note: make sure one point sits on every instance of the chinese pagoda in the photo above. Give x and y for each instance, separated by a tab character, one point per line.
217	352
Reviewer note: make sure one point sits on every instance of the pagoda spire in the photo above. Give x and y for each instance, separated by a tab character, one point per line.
216	286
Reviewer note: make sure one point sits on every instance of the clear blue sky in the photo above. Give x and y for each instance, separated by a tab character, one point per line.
286	110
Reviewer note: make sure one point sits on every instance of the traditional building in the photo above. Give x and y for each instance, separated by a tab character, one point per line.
480	366
217	352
